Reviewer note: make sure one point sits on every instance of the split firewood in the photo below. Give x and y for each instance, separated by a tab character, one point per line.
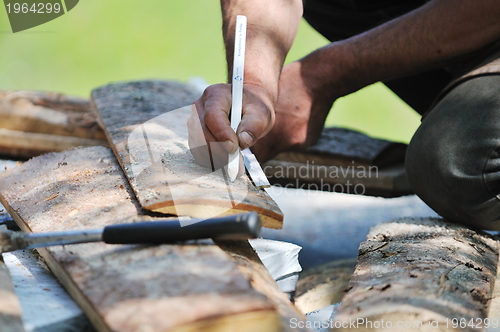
421	274
190	287
10	308
323	285
34	122
145	122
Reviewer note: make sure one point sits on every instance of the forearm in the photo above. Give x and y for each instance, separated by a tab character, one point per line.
439	33
272	26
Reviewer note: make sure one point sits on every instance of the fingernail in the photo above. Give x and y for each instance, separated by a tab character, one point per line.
230	146
247	138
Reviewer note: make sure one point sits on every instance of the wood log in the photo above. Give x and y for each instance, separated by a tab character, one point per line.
10	308
420	274
146	125
35	122
323	285
190	287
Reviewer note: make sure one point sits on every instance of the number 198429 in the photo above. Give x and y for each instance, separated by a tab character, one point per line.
36	8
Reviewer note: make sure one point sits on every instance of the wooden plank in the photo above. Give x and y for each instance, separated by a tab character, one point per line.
26	144
191	287
360	180
250	264
35	122
344	147
423	273
46	306
146	125
48	113
341	160
10	309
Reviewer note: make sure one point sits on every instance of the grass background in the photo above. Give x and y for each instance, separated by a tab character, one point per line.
102	41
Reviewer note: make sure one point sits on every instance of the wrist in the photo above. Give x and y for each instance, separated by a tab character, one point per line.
331	71
268	94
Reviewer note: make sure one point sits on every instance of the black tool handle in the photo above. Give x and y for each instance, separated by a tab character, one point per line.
235	227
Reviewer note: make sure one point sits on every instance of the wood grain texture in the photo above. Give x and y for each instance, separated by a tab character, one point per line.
26	144
49	113
191	287
344	161
10	308
323	285
35	122
146	125
250	265
345	147
361	180
421	271
494	307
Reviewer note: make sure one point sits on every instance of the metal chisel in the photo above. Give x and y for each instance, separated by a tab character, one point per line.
234	227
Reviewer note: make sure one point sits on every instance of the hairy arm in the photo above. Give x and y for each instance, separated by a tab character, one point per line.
439	33
272	26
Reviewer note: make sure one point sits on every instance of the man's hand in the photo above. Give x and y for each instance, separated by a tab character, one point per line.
300	111
210	124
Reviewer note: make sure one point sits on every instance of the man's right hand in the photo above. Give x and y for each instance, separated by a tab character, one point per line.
209	123
294	121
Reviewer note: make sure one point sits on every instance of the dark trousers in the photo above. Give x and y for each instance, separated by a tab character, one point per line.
453	160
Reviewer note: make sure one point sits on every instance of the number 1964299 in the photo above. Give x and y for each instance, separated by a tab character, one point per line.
36	8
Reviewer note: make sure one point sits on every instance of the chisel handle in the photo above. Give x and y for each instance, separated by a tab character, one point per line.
235	227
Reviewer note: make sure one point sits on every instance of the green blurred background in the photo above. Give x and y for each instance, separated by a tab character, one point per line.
102	41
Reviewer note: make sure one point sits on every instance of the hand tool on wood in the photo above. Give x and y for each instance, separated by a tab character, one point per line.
234	227
237	89
256	173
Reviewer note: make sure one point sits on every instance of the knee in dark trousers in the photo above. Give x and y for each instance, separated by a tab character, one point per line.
453	160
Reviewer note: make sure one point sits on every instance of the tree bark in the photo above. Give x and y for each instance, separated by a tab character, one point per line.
421	274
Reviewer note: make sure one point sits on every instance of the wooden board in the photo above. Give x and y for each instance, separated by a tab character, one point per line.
345	147
422	271
323	285
192	287
10	308
146	125
344	161
35	122
49	113
26	144
359	180
250	264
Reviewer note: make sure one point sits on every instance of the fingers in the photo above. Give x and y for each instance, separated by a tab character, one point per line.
211	137
258	116
215	105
